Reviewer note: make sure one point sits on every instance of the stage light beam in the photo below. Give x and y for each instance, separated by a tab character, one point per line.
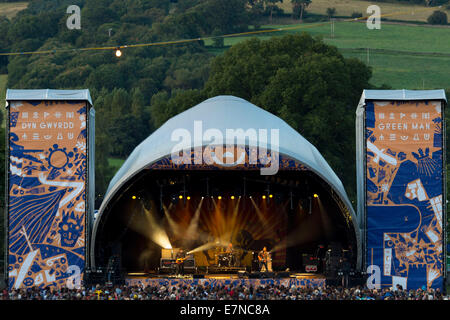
147	225
191	232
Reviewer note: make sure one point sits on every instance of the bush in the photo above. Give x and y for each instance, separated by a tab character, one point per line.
218	41
356	15
331	12
437	17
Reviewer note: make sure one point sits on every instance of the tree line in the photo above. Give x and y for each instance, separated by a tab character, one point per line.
297	77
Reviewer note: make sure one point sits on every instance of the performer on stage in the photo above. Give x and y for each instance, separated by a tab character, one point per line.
263	257
230	255
180	258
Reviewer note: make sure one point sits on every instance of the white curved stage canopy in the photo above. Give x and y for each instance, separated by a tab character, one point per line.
222	113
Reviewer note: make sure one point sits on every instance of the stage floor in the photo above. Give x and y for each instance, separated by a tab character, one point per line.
293	279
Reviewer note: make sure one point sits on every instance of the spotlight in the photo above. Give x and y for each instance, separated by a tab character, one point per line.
118	53
270	195
264	197
219	197
316	195
180	197
133	197
203	197
189	198
232	197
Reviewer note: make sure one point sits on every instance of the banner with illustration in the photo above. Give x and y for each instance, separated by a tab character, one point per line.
404	189
47	194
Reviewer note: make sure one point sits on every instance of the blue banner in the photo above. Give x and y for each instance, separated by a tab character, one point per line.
404	185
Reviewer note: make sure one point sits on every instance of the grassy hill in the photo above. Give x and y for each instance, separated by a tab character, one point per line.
10	9
3	79
403	12
397	53
115	163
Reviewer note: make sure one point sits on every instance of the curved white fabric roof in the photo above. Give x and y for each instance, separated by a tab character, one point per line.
225	112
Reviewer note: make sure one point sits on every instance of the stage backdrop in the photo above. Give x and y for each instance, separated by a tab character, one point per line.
404	188
48	187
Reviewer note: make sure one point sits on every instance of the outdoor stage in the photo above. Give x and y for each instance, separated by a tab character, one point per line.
154	207
292	279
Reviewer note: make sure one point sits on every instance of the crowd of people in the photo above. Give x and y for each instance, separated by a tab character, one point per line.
222	292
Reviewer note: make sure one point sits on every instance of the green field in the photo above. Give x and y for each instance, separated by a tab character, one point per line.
10	9
115	163
406	71
392	11
3	79
402	56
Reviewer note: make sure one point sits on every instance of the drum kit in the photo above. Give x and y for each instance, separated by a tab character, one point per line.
227	260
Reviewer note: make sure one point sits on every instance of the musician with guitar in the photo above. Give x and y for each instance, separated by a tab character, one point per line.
180	258
263	257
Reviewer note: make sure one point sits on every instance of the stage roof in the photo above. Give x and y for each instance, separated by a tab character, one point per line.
403	95
225	112
48	94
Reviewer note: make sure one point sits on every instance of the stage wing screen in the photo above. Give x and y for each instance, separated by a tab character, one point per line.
47	193
404	188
